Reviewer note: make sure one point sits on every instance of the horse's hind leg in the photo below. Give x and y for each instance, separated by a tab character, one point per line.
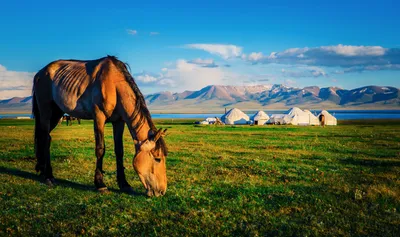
49	117
39	148
56	114
40	133
99	122
43	139
118	131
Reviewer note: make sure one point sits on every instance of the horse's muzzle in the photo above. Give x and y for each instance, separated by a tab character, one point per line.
151	193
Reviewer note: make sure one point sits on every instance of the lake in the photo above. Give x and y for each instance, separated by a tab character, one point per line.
339	114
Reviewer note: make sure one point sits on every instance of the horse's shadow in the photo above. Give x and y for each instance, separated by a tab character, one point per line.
59	182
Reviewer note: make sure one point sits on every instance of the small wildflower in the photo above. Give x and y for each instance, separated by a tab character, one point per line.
358	195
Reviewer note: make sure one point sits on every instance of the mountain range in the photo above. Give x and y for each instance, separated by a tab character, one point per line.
215	98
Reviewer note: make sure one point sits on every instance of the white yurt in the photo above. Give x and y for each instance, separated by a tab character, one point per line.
329	118
260	118
277	118
235	116
296	116
211	120
313	120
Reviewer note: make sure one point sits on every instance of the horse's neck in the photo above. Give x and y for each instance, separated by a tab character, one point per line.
140	131
136	119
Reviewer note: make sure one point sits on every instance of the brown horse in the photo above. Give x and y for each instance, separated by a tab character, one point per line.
105	91
68	119
322	120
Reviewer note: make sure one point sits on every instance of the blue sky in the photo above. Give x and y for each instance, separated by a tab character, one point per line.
178	45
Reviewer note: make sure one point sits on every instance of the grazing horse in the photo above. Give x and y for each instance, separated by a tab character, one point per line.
322	120
68	119
105	91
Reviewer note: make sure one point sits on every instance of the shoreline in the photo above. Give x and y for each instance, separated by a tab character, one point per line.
190	121
344	110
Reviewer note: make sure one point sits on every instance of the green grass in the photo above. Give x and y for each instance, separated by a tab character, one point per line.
270	180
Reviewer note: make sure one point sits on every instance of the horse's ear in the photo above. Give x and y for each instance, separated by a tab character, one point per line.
160	133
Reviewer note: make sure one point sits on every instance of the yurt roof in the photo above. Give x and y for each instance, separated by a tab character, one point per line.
235	113
294	111
326	113
260	115
308	112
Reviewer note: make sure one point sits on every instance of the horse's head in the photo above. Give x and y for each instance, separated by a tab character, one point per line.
150	164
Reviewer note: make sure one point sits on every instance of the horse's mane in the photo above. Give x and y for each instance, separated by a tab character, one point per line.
140	104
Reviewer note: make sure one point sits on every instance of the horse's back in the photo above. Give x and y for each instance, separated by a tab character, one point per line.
71	84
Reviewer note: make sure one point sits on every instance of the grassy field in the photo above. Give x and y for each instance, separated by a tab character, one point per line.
232	181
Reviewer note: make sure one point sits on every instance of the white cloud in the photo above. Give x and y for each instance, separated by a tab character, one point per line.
200	61
345	56
294	51
317	71
222	50
14	83
186	75
289	82
304	71
271	56
184	66
350	50
368	68
255	56
132	32
145	78
203	62
166	82
154	33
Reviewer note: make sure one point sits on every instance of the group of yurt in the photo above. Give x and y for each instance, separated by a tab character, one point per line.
293	116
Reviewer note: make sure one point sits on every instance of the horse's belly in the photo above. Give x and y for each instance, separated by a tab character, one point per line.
82	111
79	108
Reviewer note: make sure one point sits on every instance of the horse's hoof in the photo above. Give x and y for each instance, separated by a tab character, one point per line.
127	189
103	190
50	182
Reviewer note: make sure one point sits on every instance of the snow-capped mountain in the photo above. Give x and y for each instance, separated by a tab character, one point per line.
217	97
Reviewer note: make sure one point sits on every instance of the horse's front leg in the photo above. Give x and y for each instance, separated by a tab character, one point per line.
118	131
99	123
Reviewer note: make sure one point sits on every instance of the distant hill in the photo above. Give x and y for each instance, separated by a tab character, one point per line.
215	98
16	104
17	100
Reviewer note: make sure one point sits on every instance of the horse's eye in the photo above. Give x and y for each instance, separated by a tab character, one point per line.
158	160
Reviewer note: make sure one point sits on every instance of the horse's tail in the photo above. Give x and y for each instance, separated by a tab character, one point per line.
35	108
36	116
